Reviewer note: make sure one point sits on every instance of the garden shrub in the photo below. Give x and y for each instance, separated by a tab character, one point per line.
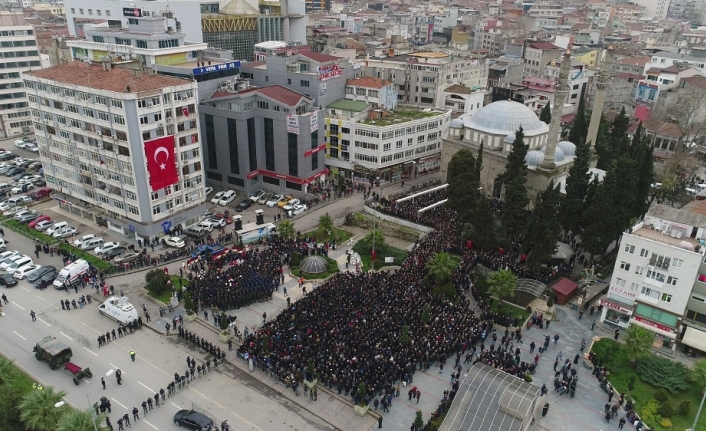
294	258
631	383
528	378
666	409
666	423
661	395
663	373
685	407
550	302
648	412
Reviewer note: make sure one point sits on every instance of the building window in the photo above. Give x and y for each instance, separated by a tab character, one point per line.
625	266
293	156
236	181
304	83
211	142
666	297
672	280
269	144
98	39
141	44
293	186
677	263
639	270
233	147
629	248
314	144
644	253
252	144
620	282
121	41
262	105
170	43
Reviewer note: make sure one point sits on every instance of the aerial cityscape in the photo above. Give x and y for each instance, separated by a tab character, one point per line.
294	215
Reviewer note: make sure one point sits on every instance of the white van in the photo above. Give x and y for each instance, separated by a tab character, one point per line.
118	309
56	226
71	272
90	244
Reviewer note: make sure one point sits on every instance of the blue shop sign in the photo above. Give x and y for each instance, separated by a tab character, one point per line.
215	68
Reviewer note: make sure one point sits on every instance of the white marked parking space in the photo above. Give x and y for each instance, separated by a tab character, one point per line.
24	288
145	386
39	297
123	372
20	336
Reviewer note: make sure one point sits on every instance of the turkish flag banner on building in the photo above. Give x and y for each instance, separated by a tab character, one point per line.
185	111
160	162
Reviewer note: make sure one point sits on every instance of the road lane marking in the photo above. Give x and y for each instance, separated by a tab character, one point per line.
43	321
174	404
18	305
242	419
119	403
65	335
39	297
192	389
20	336
86	380
144	386
123	372
94	353
143	420
25	289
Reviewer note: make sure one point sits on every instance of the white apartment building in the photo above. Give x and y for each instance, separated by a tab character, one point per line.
657	9
654	274
364	143
18	53
94	124
664	59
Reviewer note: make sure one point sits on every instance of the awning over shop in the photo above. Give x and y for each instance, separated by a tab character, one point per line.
695	338
654	329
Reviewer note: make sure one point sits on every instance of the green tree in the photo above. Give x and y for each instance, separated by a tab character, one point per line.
326	224
286	229
80	420
440	267
483	229
37	409
545	114
418	421
514	218
404	336
375	238
572	207
157	281
579	130
462	192
544	229
642	153
188	302
426	314
617	143
700	371
638	342
8	372
10	396
502	284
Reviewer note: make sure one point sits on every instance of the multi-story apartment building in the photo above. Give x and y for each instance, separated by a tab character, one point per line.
507	69
664	59
262	138
122	141
546	9
538	55
628	13
362	142
662	80
379	92
657	9
19	53
694	334
419	77
655	271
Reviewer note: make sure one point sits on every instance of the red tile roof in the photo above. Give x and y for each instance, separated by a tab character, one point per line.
320	58
119	80
543	45
564	286
368	82
635	61
695	81
282	94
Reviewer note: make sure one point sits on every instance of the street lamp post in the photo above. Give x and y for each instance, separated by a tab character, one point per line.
90	406
698	413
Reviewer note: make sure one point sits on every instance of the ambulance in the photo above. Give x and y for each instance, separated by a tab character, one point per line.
71	272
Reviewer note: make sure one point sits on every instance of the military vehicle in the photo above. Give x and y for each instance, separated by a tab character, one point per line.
53	351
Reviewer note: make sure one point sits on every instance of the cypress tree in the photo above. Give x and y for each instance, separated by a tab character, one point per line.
479	163
545	114
572	206
579	130
462	192
514	217
544	228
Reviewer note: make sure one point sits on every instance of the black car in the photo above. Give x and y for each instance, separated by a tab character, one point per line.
47	279
113	252
193	420
39	273
247	203
7	280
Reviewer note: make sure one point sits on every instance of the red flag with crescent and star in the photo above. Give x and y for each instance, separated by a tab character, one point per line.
160	162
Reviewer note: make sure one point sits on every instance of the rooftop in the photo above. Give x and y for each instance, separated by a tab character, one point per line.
348	105
117	79
656	235
399	116
368	82
319	58
458	89
543	45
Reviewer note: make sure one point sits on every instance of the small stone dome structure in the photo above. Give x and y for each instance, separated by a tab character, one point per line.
313	265
456	124
534	158
559	155
569	148
510	138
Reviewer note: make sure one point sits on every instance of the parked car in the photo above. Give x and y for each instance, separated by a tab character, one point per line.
245	204
192	420
276	199
291	204
32	147
126	256
206	225
5	206
47	279
30	178
217	197
216	222
65	232
12	210
113	252
227	197
43	225
18	263
10	260
56	226
39	273
24	271
106	247
20	200
228	219
22	188
33	224
299	209
22	213
83	238
207	191
284	201
264	198
41	193
7	280
174	241
257	195
20	143
28	217
195	231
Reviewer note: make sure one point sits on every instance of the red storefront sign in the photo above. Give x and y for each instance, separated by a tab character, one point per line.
314	150
653	324
290	178
615	307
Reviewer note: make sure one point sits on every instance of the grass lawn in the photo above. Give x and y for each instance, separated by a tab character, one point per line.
93	260
165	296
24	382
28	232
389	251
335	233
620	373
507	308
330	270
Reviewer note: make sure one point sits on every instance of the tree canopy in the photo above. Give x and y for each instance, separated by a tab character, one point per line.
638	342
462	192
502	284
440	267
514	218
544	230
572	208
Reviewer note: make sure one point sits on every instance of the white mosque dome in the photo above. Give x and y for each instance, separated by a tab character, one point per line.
559	155
568	148
456	123
505	117
510	138
534	158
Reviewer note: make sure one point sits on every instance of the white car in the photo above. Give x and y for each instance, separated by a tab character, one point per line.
7	254
227	197
175	242
22	188
106	246
291	204
13	210
43	225
19	263
217	197
24	271
257	195
6	206
207	191
32	147
83	238
20	144
275	200
207	225
19	160
30	179
216	221
10	260
299	209
65	232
